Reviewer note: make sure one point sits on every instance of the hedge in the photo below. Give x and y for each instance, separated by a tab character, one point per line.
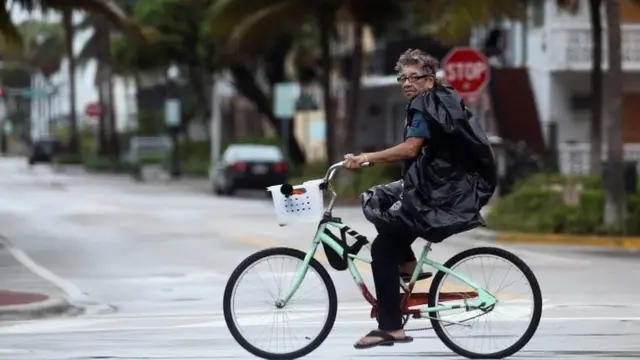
537	205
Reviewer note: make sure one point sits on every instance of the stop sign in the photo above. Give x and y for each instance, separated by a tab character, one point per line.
92	109
466	70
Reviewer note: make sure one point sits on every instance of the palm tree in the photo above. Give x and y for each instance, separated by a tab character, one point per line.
245	26
98	47
40	54
105	8
615	206
69	35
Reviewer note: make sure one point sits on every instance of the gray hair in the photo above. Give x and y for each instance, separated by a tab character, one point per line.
416	57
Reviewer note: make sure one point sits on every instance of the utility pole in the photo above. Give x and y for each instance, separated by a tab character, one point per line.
215	127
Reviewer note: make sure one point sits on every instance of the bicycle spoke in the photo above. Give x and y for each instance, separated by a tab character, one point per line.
270	329
499	328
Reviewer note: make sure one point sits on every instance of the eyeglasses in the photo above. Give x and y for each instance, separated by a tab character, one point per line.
412	78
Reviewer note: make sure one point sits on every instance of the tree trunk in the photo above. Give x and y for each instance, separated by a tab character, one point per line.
596	88
615	205
74	138
348	138
356	74
114	143
103	125
325	19
246	84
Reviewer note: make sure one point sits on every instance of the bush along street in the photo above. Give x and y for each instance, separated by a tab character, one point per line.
558	204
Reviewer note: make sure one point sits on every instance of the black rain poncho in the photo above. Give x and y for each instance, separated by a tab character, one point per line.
442	192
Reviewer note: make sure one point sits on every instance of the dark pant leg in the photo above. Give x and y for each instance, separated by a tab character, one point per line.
387	251
406	252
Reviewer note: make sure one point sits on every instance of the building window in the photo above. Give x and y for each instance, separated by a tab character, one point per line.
537	13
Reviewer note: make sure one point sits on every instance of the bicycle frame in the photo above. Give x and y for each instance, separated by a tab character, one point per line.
483	299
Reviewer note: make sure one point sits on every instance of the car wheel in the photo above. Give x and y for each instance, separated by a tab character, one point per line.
230	191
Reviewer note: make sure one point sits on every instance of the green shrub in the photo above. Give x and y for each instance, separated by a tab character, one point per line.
535	207
103	164
529	209
68	159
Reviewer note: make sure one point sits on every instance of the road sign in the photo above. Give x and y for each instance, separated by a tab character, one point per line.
466	70
93	109
285	96
172	112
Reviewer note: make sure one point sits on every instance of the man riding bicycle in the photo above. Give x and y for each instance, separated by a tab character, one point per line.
391	251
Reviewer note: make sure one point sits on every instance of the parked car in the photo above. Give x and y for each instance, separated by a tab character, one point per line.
43	151
250	167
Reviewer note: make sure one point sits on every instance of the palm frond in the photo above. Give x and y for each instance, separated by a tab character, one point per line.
10	34
260	27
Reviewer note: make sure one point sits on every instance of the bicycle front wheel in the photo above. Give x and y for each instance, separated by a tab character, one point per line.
517	312
302	321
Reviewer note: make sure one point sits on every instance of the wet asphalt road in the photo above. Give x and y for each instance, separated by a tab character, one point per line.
153	260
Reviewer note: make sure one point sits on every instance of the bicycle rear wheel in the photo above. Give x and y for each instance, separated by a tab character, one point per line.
506	315
303	318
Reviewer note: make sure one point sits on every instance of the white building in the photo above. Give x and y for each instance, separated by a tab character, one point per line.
556	47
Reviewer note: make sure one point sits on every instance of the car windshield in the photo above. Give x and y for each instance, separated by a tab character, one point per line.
253	153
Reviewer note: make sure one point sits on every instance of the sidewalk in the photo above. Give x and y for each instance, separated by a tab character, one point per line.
23	294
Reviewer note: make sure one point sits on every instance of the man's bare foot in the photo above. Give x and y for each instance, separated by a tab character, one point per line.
382	338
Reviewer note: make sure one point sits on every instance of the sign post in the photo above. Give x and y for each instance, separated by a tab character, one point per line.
172	120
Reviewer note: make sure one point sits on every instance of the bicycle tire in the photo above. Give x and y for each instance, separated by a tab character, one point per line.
326	279
438	326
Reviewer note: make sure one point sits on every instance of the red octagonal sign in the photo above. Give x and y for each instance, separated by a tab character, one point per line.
93	109
466	70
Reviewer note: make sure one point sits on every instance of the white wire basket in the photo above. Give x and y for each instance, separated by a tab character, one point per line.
304	205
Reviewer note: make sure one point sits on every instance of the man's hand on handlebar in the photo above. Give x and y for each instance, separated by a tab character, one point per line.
355	161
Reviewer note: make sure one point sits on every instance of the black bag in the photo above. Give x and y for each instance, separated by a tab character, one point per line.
442	192
335	260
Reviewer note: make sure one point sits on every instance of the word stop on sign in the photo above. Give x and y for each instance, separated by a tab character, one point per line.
465	71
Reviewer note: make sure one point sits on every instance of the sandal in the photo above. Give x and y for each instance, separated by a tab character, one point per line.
387	340
422	276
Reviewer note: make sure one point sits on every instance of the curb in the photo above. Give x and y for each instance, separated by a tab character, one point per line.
483	234
52	306
625	243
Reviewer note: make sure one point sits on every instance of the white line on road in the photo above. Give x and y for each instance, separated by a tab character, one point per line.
73	293
98	326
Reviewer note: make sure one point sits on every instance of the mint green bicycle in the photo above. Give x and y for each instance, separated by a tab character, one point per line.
447	306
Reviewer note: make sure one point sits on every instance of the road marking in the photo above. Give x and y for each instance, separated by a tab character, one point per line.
118	326
72	292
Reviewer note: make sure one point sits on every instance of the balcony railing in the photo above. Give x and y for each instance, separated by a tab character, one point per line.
570	48
574	158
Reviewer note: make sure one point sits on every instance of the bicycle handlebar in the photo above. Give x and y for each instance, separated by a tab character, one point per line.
332	169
